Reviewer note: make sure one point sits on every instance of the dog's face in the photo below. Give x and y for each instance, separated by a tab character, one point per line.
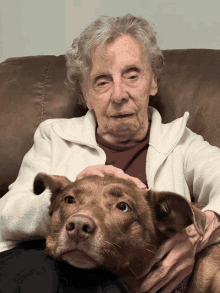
109	222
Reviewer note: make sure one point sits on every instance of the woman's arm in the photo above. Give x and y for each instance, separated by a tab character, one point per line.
24	215
202	171
175	258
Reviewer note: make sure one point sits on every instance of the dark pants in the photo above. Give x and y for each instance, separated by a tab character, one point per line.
33	271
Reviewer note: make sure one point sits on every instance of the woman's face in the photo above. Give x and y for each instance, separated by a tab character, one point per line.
118	89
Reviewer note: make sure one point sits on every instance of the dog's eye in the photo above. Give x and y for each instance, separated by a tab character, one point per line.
123	207
69	199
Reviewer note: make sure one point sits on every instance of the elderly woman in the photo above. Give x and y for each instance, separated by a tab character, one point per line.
114	66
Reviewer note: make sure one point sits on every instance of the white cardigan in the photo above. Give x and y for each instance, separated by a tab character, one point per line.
178	160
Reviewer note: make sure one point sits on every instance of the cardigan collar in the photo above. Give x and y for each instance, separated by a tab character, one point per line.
163	137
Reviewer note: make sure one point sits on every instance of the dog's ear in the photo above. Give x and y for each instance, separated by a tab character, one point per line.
55	183
173	213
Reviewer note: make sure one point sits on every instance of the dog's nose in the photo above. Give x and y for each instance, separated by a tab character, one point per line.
79	227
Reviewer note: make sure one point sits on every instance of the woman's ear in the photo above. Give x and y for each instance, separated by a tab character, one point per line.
154	85
85	95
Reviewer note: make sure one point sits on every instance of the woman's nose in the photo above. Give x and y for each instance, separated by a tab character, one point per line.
119	93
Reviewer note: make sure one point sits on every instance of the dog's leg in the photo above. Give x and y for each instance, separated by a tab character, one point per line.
206	272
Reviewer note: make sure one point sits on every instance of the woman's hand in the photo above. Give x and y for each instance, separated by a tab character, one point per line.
102	170
175	258
174	261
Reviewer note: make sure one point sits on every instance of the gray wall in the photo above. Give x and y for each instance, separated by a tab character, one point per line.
30	27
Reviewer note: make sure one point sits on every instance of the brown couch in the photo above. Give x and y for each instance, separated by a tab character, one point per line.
33	89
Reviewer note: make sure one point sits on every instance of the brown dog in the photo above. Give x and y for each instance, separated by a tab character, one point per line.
109	222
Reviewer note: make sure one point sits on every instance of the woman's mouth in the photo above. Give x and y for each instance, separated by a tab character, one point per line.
122	116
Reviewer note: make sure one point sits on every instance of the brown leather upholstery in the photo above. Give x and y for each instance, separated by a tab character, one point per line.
33	89
191	82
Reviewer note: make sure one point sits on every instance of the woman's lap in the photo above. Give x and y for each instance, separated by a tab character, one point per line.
26	271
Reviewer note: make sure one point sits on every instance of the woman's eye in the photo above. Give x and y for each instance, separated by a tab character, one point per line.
69	199
124	207
132	76
102	83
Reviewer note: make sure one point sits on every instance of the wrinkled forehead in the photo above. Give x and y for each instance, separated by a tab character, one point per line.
124	48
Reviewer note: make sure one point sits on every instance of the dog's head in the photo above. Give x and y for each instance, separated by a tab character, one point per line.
108	221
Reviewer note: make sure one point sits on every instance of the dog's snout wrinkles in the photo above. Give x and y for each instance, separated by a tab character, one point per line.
79	227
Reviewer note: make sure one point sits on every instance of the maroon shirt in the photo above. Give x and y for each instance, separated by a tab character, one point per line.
131	159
